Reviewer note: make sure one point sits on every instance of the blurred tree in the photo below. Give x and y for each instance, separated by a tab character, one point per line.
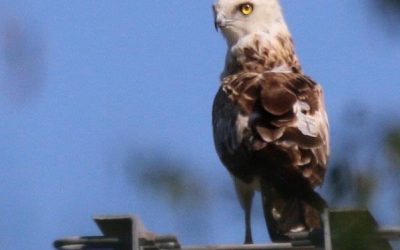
387	12
173	183
23	55
349	183
392	5
393	144
166	177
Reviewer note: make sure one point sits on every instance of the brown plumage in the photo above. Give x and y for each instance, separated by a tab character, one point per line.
275	148
270	126
278	103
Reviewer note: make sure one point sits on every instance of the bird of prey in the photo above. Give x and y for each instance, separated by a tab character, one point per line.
269	121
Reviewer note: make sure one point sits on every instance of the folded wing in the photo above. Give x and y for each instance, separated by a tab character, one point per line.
285	110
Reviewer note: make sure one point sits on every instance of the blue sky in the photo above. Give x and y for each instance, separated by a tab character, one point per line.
142	74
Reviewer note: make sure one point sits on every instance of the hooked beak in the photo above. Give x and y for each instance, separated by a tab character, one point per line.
216	25
220	21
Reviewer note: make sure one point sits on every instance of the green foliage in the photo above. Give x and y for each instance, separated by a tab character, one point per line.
388	12
389	4
393	145
355	230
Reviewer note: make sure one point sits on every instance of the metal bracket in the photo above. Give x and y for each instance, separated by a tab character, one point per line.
343	229
120	233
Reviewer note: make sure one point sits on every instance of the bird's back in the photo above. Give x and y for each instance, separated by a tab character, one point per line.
272	128
264	122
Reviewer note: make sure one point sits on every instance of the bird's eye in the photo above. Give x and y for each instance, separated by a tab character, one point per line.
246	8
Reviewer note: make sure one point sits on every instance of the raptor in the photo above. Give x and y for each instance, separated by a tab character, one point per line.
269	122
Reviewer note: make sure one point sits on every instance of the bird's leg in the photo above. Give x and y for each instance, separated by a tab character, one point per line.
245	194
247	217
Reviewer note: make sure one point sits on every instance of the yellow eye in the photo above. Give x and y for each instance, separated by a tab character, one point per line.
246	8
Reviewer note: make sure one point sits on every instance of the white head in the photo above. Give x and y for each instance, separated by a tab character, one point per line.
238	18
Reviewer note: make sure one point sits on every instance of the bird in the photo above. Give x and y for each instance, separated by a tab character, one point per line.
270	126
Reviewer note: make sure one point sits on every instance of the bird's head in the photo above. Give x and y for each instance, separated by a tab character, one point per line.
238	18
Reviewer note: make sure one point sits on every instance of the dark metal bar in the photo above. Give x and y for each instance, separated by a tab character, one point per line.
272	246
98	242
327	230
389	233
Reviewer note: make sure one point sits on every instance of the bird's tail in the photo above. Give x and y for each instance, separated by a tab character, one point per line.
289	213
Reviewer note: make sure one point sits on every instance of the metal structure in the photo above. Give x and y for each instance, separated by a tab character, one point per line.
343	229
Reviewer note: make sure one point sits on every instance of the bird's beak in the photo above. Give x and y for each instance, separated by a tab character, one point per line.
219	21
215	17
219	18
215	20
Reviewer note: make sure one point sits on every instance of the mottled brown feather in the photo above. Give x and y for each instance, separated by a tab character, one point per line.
270	129
269	98
275	99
